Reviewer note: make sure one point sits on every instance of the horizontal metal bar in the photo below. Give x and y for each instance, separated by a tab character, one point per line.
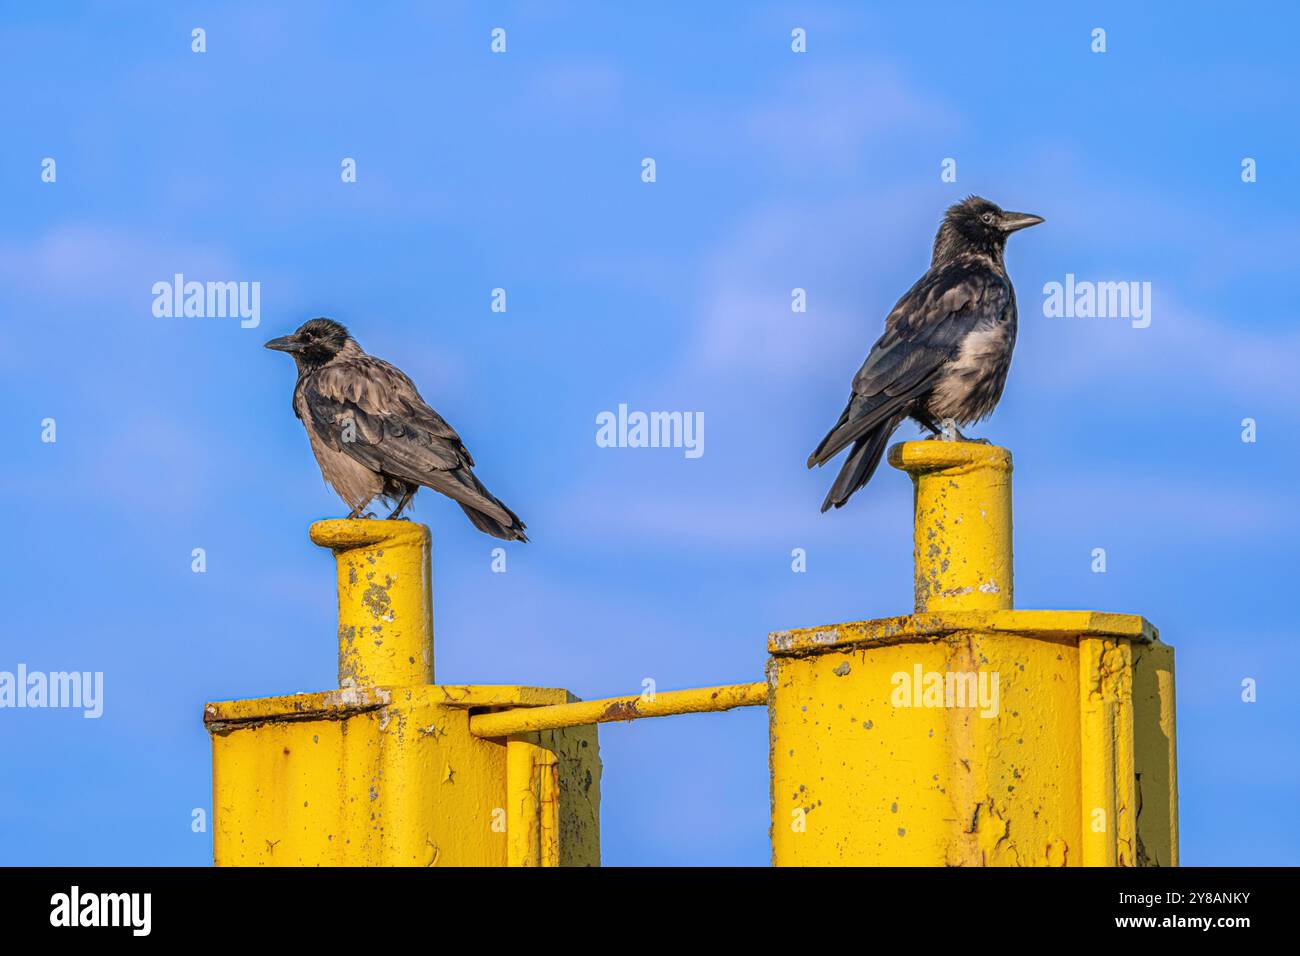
699	700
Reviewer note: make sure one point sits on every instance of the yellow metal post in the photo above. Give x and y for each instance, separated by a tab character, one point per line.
384	770
533	789
970	733
523	802
962	554
967	733
385	601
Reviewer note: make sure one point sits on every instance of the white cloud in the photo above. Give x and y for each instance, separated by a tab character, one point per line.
85	261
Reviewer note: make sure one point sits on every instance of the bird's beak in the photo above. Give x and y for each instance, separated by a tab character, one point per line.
1014	221
285	343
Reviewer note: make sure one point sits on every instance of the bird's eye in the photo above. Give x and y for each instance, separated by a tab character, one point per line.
987	217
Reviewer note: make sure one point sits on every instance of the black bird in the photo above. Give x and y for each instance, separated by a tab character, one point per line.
946	348
373	435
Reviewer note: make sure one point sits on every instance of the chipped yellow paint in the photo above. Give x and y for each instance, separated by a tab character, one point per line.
534	791
389	774
969	733
1155	754
385	601
962	536
929	625
1106	728
965	734
523	803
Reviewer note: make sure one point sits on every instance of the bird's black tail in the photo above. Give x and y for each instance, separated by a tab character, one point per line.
488	512
489	525
861	463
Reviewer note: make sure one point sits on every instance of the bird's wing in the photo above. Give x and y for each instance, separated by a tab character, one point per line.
923	332
373	413
928	325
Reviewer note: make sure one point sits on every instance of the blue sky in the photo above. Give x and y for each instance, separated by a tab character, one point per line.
522	171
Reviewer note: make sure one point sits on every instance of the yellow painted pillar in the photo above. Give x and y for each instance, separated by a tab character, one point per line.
533	791
384	771
962	555
385	601
523	802
970	733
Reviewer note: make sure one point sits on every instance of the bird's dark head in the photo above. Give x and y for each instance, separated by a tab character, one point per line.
977	225
315	343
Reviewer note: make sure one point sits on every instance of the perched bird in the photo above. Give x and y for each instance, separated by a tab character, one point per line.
373	435
946	349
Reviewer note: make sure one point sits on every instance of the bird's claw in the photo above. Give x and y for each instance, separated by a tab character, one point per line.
950	432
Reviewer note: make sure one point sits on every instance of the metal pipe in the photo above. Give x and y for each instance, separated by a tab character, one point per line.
699	700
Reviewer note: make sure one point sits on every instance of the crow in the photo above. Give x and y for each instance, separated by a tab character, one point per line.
373	435
946	349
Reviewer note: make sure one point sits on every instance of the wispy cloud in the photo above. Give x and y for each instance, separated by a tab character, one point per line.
825	117
1187	353
573	91
848	256
88	261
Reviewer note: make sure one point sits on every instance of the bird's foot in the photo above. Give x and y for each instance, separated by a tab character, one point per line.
402	503
950	432
356	514
929	424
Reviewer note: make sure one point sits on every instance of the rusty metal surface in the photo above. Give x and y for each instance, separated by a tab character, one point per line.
383	770
965	734
970	733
